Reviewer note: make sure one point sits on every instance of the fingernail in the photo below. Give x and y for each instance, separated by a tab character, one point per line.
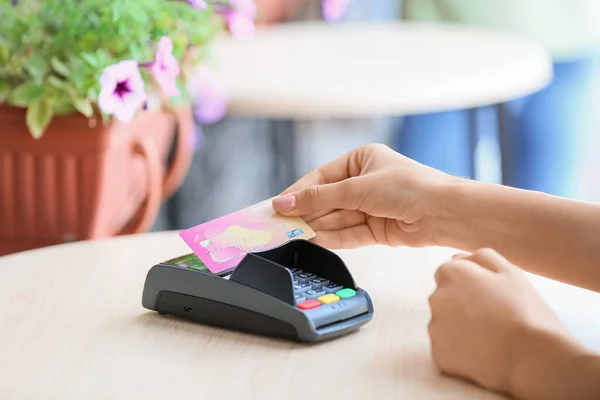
284	203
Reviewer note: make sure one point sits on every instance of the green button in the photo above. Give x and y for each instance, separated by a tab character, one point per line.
345	293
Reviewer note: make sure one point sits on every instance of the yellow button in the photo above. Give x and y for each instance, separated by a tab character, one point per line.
328	298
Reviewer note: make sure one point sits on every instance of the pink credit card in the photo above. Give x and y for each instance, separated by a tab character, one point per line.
222	243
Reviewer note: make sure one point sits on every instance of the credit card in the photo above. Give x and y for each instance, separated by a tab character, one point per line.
223	242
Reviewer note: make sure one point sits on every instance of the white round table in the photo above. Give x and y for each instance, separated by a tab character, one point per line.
72	327
318	70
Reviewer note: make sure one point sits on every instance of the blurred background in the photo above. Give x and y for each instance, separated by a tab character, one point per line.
557	135
506	92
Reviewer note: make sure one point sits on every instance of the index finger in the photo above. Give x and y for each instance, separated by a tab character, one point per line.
457	269
331	172
490	259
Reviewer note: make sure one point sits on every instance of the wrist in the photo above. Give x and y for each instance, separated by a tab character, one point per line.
470	215
461	215
553	365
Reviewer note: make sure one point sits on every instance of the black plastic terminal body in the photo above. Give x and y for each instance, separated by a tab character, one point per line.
258	297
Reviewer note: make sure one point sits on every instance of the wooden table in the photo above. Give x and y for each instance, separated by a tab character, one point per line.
72	327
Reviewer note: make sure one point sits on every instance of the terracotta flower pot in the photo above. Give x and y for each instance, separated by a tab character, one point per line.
79	182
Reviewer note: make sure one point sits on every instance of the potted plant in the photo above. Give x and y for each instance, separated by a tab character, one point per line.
95	111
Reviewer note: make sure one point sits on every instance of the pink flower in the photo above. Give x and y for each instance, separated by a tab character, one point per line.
240	15
198	4
333	10
209	97
240	26
165	67
122	91
244	7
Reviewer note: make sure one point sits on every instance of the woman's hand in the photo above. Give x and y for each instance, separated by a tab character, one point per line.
489	325
372	195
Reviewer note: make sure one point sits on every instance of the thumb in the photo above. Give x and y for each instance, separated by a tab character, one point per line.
338	195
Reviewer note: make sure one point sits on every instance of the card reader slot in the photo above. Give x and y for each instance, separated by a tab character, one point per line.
349	323
310	257
266	277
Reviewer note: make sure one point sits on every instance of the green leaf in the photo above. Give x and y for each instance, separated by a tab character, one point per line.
62	106
78	80
64	46
60	99
56	82
116	13
4	53
62	87
90	39
4	91
60	67
84	106
39	114
26	94
37	66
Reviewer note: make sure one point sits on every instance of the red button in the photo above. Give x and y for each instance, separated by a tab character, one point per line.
308	304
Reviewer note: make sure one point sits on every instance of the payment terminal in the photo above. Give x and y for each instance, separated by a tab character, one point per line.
299	291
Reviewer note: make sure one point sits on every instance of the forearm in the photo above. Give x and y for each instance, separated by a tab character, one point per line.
546	235
554	367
